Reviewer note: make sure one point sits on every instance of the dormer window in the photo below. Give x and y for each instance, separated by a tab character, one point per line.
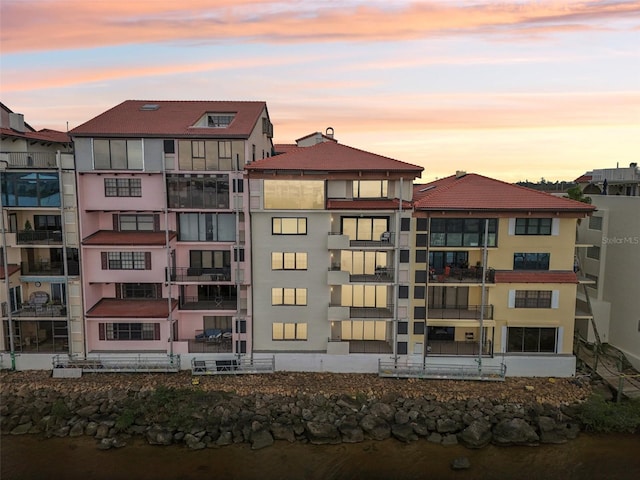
219	120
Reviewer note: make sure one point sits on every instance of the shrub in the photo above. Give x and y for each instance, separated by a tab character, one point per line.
598	415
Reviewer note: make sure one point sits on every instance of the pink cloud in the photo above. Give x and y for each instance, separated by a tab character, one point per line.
70	24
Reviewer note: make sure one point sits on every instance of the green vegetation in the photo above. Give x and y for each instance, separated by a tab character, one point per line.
601	416
575	193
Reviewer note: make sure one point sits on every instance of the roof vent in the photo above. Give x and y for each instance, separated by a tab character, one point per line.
149	107
329	132
460	173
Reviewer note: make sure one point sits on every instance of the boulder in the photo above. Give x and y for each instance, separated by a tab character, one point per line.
283	432
403	432
476	435
460	463
21	429
449	440
159	436
514	431
435	437
322	433
446	425
351	432
383	410
377	428
87	411
261	439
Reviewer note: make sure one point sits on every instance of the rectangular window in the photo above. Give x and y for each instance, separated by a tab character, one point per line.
366	228
203	191
238	185
533	226
169	146
421	240
137	223
32	189
458	232
122	187
593	252
206	227
219	120
422	224
531	261
289	226
531	340
404	256
294	194
595	223
288	296
238	255
289	331
363	262
126	260
418	328
403	291
138	290
288	261
117	154
405	224
533	299
370	188
129	331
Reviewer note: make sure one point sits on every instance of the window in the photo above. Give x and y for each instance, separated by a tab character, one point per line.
267	127
169	146
365	228
438	260
418	292
458	232
370	188
211	259
404	256
129	331
289	226
533	226
374	296
122	187
405	224
531	339
220	120
241	326
531	261
288	261
117	154
595	223
289	331
533	299
138	290
403	291
421	240
137	223
126	260
363	330
238	255
207	227
238	185
294	194
32	189
402	348
593	252
288	296
203	191
421	256
363	262
422	224
419	313
418	328
403	328
421	276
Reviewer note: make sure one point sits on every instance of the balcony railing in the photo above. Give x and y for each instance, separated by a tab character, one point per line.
386	239
30	159
366	346
199	274
371	312
462	275
380	275
43	267
470	312
29	310
48	237
445	347
208	303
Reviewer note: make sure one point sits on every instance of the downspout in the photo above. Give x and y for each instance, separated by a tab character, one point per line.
5	264
236	247
484	291
426	297
168	249
65	268
396	272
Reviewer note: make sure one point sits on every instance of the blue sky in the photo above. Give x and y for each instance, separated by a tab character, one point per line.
513	89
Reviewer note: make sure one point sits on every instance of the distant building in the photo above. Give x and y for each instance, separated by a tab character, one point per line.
39	266
493	278
611	181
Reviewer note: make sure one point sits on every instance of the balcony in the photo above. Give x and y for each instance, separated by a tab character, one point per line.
462	275
211	344
341	277
49	311
366	346
44	267
371	312
44	237
31	159
470	312
458	348
208	303
197	274
340	241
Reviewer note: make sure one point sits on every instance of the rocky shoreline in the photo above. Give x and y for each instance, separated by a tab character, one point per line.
295	407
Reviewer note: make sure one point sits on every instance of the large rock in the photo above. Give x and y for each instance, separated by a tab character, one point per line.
159	436
87	411
377	428
460	463
322	433
261	439
383	410
403	432
345	401
283	432
476	435
351	432
21	429
447	425
514	431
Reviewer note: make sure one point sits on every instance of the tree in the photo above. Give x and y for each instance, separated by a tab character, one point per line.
575	193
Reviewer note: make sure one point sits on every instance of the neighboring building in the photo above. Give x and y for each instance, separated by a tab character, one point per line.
330	246
165	227
610	262
611	181
493	280
41	293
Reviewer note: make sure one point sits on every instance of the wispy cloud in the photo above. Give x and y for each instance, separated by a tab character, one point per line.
71	24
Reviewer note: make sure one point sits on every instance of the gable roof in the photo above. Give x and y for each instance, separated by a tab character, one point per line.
172	118
44	135
475	192
332	157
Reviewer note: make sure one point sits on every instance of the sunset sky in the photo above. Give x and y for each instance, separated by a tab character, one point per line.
513	90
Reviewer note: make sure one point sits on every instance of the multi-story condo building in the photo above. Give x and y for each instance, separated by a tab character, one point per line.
39	246
165	227
611	181
610	263
493	281
330	246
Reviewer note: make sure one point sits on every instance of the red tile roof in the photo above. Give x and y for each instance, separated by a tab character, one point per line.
333	157
476	192
110	237
531	276
172	118
280	148
12	269
130	308
387	204
44	135
584	179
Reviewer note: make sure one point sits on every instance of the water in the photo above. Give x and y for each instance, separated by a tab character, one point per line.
610	457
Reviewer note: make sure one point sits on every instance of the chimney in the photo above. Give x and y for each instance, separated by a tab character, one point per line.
460	173
329	132
16	122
